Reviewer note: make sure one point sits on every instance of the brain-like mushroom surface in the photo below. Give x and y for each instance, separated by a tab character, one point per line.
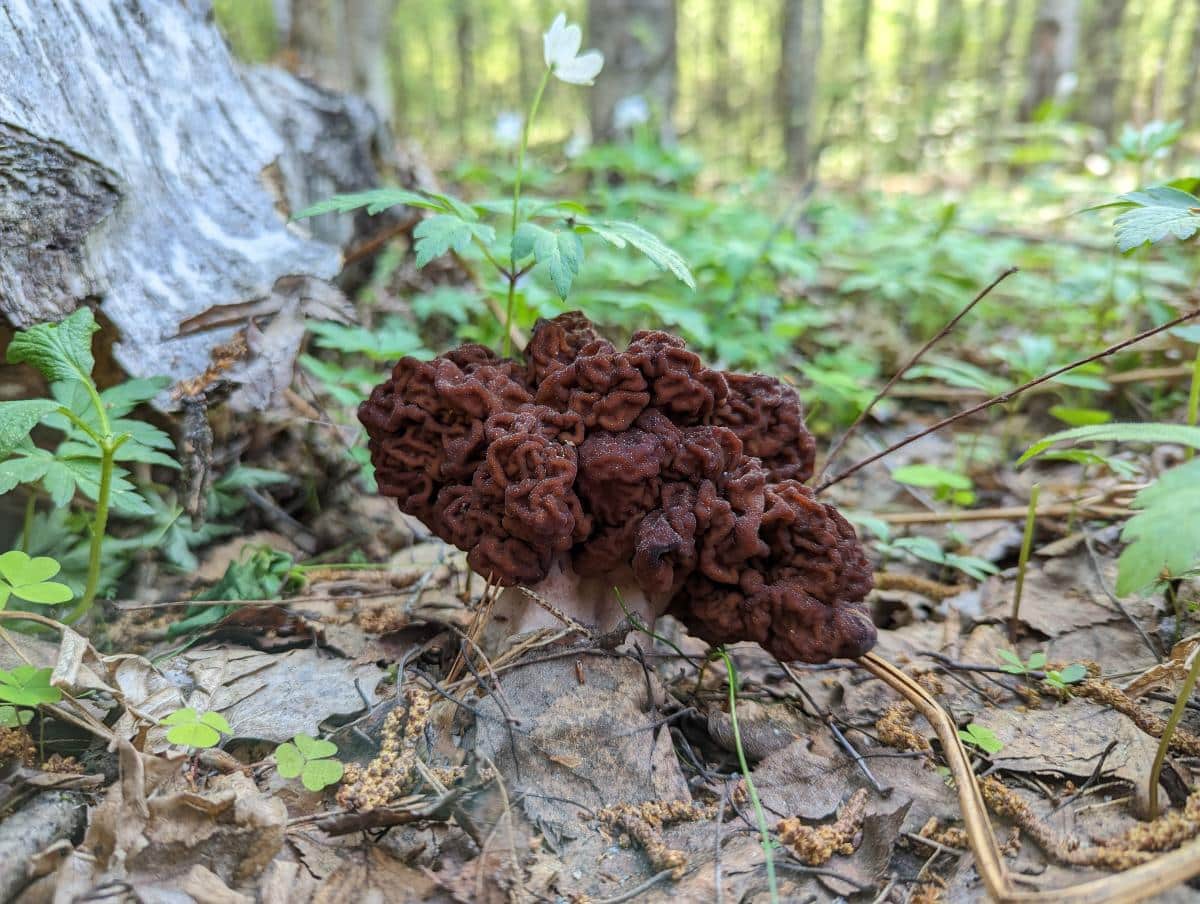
640	461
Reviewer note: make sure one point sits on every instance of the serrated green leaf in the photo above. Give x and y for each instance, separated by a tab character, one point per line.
289	762
24	468
320	774
1164	536
620	233
1158	212
438	234
124	397
1177	434
19	417
144	433
314	748
375	201
559	252
61	351
525	238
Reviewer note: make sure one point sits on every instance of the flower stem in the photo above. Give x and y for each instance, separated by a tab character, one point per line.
512	273
1164	743
1023	559
99	526
767	845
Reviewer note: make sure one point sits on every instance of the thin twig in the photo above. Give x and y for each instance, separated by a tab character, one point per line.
1007	396
908	365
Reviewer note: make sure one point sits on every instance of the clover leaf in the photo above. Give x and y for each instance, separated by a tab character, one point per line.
982	737
311	759
192	729
28	579
12	717
27	685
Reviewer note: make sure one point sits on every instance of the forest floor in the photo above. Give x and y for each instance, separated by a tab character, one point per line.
573	773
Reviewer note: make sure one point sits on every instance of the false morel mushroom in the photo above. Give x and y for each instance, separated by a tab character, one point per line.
583	472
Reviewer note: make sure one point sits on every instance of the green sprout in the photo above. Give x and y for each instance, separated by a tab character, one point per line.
310	759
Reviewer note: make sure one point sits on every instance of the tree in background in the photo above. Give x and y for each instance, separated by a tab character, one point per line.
1102	43
637	38
1050	69
800	51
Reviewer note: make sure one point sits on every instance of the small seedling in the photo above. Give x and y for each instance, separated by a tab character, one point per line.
199	730
1014	666
1072	674
28	686
310	759
982	737
28	579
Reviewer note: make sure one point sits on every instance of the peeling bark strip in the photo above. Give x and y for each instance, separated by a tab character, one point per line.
131	165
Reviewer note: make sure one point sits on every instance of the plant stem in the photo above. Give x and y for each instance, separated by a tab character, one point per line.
99	525
1164	743
1193	409
512	273
768	853
27	525
1023	559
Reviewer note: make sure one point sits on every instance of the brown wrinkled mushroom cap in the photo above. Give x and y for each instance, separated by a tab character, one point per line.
643	460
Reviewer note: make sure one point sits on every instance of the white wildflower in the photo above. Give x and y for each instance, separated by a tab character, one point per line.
561	48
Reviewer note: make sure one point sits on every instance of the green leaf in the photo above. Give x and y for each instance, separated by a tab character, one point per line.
559	252
193	735
982	737
192	729
124	397
375	201
12	717
1177	434
1036	661
320	774
1080	417
1158	212
289	762
313	748
25	468
931	476
61	351
27	685
1164	536
620	233
1073	673
1013	660
438	234
29	579
19	417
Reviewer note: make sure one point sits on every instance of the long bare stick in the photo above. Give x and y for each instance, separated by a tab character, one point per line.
908	365
1006	397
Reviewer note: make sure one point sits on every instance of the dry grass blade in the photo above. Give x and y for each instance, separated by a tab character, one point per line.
1135	884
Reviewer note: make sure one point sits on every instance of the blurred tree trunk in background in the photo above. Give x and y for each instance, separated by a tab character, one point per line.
343	45
862	81
1158	102
1191	90
945	48
1052	47
800	51
464	45
994	70
1102	44
722	70
637	38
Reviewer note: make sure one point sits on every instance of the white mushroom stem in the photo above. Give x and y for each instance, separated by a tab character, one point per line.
565	600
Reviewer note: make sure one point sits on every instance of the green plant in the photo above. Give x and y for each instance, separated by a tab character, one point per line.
14	717
948	486
1163	538
97	434
28	686
260	573
542	235
1059	680
928	549
1014	666
1062	680
28	579
191	729
311	760
982	737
